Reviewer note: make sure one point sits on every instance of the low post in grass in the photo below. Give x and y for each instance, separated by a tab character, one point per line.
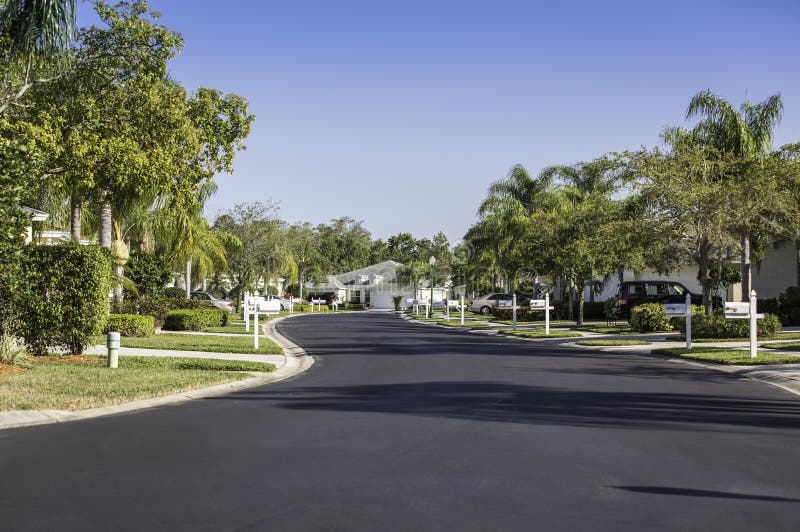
246	299
753	326
462	309
547	314
255	329
514	311
688	320
112	342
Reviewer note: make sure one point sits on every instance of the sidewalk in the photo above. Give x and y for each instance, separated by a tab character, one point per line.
293	361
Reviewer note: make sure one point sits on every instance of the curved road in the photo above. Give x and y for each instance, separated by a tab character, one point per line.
401	426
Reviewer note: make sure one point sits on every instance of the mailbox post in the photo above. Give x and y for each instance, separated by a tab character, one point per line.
543	304
688	320
462	309
514	311
753	325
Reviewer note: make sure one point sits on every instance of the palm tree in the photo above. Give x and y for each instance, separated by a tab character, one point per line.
746	133
39	26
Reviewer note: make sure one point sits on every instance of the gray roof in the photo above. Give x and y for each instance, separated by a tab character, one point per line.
387	268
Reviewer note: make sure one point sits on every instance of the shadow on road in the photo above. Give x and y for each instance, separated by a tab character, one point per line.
661	490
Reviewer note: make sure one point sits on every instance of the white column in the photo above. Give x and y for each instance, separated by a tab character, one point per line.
255	329
514	311
688	320
547	314
753	326
247	312
462	310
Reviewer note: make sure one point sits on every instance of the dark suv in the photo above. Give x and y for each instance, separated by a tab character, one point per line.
633	293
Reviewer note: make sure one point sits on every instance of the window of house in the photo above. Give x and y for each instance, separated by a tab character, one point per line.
355	296
366	297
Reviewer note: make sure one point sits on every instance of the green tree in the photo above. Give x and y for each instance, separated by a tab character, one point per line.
344	245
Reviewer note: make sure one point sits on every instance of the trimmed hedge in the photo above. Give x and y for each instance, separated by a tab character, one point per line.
650	317
721	327
158	307
130	324
64	297
523	314
789	306
195	319
175	292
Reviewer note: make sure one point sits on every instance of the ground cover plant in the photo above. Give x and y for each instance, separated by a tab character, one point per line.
737	357
600	342
202	342
78	382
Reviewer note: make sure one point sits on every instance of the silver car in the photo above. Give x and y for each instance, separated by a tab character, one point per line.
486	304
224	304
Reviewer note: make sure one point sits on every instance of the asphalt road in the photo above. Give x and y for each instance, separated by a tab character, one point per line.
407	427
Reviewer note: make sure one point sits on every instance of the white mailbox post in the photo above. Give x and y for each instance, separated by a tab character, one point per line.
543	304
746	310
514	311
682	310
318	302
266	308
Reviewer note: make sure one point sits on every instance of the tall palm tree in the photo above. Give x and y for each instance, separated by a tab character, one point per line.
746	133
39	26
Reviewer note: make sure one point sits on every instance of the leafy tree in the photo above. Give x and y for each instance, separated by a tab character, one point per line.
304	247
344	245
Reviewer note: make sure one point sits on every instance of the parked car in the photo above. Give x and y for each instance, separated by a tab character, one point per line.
630	294
224	304
486	304
285	303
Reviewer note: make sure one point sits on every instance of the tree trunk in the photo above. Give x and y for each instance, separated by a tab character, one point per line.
746	268
704	278
76	210
118	292
581	298
104	225
571	301
300	287
188	276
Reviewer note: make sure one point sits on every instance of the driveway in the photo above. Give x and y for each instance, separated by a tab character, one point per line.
403	426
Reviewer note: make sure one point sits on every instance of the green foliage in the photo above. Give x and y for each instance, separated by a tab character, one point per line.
650	317
396	300
130	324
158	306
194	319
508	314
175	292
789	306
65	296
147	272
721	327
679	323
11	352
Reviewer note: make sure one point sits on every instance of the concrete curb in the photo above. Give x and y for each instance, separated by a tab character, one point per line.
297	361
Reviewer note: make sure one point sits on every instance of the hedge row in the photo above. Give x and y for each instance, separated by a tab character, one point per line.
130	324
722	327
195	319
158	307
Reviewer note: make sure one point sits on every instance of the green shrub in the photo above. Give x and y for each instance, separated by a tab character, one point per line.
130	324
650	317
789	305
175	292
397	300
197	319
64	298
508	314
722	327
147	272
679	323
158	307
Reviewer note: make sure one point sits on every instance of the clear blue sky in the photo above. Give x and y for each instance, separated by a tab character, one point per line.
400	113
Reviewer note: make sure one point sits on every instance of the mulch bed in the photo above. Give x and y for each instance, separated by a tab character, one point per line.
7	369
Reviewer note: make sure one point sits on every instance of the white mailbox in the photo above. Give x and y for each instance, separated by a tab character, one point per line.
675	309
505	304
453	303
737	310
540	304
265	307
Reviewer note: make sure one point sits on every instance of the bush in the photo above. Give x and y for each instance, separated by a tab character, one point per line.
722	327
508	314
197	319
175	292
679	323
397	300
147	272
130	324
64	297
158	307
650	317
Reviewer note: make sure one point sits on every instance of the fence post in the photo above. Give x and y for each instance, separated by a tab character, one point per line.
462	310
688	320
247	312
753	326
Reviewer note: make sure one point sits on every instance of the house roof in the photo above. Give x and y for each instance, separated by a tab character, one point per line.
387	268
35	214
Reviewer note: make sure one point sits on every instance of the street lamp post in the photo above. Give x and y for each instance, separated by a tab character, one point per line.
432	262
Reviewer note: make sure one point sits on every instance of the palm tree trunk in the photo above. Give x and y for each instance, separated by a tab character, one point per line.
188	276
118	292
76	211
581	297
746	268
104	225
300	287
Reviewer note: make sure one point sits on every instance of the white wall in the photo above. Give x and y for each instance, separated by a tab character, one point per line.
777	271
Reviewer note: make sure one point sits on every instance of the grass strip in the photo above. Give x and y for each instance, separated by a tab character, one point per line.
736	357
539	333
80	381
606	329
794	346
604	342
202	342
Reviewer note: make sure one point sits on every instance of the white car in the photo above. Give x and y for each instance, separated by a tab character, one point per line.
486	304
224	304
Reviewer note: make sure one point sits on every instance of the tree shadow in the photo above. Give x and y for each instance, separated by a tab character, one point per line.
513	403
686	492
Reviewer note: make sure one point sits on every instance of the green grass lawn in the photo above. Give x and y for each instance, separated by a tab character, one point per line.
539	333
526	322
727	356
601	342
790	346
201	342
607	329
232	328
779	336
78	382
